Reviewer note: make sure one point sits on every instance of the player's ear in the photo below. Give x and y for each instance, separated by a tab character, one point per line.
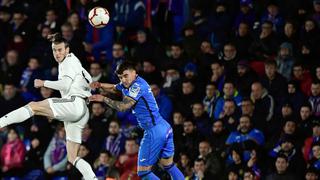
67	50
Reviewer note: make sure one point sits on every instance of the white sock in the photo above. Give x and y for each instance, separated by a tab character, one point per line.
85	169
16	116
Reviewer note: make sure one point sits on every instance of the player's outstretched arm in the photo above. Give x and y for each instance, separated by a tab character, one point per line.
123	105
62	84
111	88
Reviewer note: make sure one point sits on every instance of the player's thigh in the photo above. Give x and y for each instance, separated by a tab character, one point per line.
68	109
41	108
167	151
74	128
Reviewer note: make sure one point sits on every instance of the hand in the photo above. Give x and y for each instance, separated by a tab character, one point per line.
96	98
95	85
38	83
5	169
50	170
123	158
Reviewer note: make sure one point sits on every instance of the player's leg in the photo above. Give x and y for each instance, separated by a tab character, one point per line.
146	156
167	158
73	135
41	108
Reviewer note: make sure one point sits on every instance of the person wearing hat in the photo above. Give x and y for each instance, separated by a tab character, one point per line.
285	59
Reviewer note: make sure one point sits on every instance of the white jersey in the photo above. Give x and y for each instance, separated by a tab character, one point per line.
72	68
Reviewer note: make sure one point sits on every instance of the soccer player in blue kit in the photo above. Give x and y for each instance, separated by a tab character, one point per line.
157	142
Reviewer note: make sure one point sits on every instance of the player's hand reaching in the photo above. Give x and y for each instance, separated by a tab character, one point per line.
96	98
38	83
95	85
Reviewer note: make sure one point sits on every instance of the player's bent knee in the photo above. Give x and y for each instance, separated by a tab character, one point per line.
166	161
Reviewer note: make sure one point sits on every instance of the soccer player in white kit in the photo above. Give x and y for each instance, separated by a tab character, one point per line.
73	84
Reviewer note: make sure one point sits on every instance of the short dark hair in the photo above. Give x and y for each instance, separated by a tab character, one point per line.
126	65
57	39
270	63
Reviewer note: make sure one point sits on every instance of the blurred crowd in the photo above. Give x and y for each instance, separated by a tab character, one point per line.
238	80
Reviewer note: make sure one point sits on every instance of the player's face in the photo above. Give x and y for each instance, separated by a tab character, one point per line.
127	77
59	51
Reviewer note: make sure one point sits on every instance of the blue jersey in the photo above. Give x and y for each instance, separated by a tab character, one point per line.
146	109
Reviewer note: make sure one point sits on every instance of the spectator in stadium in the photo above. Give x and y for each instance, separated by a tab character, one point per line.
187	97
102	164
218	75
55	157
209	101
185	164
314	99
151	72
315	160
10	99
218	136
245	132
201	118
77	25
200	170
115	141
230	115
12	155
290	36
190	39
311	174
273	15
178	57
163	101
244	78
307	148
127	162
310	32
229	92
243	38
96	71
11	67
172	82
294	95
281	164
305	121
285	59
230	59
99	121
263	105
118	56
246	14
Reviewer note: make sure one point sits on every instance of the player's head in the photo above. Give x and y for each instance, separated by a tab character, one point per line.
60	47
127	73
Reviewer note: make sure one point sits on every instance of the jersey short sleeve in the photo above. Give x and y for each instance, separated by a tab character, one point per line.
69	67
135	91
119	87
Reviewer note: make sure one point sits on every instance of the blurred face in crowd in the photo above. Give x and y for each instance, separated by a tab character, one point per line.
316	151
266	29
188	32
311	176
273	10
172	74
316	7
60	51
61	133
286	111
18	19
33	63
289	127
291	89
9	91
104	158
270	71
318	73
204	148
45	32
114	128
117	51
241	70
83	151
12	57
97	109
284	52
177	118
228	90
155	90
288	29
74	19
197	110
86	132
248	176
188	127
217	69
256	90
315	89
309	25
286	146
4	16
229	108
298	72
67	32
244	124
187	88
199	166
316	130
305	50
281	165
176	52
148	67
243	29
51	16
141	37
184	159
217	127
247	107
236	157
232	176
206	47
210	90
229	52
12	135
95	69
305	112
46	92
131	147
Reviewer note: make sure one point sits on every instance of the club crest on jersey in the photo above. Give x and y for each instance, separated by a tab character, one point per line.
134	90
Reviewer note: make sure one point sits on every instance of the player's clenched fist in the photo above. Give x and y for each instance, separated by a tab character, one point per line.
95	85
97	98
38	83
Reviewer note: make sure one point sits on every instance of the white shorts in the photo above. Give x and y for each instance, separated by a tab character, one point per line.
73	112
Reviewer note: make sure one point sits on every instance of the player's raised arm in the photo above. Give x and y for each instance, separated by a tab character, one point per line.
111	88
123	105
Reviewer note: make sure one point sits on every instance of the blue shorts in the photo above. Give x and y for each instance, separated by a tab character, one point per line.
156	143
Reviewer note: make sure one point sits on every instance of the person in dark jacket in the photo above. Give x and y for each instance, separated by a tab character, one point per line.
281	172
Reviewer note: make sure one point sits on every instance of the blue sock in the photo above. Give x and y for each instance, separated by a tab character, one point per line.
149	176
174	172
